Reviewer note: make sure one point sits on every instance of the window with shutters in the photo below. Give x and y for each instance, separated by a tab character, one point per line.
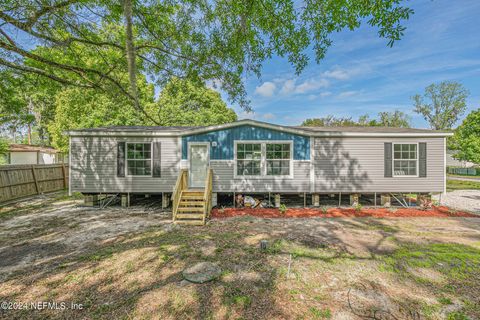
405	160
139	159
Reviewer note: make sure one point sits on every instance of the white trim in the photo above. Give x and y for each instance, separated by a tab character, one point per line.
393	160
444	165
189	158
126	159
248	122
257	124
178	149
263	160
312	165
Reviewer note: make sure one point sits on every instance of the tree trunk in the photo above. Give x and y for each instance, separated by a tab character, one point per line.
130	50
29	137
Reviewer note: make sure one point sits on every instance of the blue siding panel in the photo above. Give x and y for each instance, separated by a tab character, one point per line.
225	141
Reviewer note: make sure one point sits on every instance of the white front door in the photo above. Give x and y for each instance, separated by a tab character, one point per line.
198	165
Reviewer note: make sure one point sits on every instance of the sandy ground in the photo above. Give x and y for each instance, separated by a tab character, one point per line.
39	236
127	263
462	200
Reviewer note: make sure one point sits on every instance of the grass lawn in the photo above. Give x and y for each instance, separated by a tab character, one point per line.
462	185
127	264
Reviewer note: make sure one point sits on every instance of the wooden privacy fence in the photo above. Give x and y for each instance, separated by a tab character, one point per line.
18	181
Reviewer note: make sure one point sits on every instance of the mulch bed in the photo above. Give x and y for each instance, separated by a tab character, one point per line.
340	213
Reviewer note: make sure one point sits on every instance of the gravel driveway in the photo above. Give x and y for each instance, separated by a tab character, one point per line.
462	200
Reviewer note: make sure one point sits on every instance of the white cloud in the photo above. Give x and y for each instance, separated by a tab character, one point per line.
325	94
267	89
245	115
269	116
347	94
337	74
288	87
311	85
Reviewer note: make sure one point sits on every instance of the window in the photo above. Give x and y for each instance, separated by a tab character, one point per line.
249	158
405	160
263	159
139	159
278	159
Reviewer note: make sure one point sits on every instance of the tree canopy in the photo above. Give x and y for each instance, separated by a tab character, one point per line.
467	138
77	108
3	150
220	41
396	118
329	121
442	104
180	103
183	103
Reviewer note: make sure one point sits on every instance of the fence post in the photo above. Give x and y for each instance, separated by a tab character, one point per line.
35	179
64	172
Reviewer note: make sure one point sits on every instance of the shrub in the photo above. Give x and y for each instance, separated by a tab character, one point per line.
358	207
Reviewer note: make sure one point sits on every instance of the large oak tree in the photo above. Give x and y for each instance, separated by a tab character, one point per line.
221	41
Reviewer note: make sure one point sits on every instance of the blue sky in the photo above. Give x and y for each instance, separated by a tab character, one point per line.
361	74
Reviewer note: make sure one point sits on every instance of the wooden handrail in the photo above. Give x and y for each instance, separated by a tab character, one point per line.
207	195
180	185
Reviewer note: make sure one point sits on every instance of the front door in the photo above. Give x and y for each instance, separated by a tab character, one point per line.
198	165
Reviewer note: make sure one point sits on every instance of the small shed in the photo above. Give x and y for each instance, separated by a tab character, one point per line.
34	154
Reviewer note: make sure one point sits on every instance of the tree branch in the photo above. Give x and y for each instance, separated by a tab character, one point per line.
42	73
46	9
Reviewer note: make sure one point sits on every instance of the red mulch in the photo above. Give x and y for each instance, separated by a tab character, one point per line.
339	213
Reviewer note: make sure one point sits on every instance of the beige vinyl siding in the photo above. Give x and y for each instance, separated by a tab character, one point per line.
224	181
94	166
340	165
357	165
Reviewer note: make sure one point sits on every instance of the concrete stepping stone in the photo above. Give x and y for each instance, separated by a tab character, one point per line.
202	272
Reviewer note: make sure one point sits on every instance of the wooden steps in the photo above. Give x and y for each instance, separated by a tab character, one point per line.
191	208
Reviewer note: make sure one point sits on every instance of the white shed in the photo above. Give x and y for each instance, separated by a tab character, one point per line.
32	154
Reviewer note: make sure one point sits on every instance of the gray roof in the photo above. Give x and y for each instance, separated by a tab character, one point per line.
327	131
313	129
367	129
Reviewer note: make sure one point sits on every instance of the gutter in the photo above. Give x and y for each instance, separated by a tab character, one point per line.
310	134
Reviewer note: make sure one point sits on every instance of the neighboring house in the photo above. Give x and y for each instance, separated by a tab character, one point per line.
452	162
255	157
32	154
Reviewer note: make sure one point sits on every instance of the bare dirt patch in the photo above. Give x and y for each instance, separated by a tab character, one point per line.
128	263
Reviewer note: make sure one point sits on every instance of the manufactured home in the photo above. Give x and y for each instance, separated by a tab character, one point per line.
194	165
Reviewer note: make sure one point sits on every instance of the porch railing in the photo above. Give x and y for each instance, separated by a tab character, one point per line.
180	186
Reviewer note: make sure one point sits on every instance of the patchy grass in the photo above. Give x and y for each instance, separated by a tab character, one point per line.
312	268
320	314
454	260
459	265
24	206
462	185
